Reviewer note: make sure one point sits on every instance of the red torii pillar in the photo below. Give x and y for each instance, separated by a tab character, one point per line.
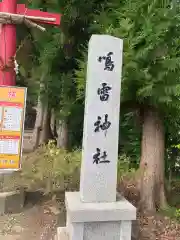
8	37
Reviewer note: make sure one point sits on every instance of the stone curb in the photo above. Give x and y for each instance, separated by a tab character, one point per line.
12	202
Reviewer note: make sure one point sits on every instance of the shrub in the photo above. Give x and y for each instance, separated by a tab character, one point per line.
48	169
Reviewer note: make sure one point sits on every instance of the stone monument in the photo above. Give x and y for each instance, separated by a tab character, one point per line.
97	212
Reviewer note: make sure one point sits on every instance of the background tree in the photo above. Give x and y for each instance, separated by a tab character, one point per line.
50	82
150	83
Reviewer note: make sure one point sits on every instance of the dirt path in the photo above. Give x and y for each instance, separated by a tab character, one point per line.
37	222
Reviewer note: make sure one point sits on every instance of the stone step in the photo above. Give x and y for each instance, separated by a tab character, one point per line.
27	143
12	202
27	134
62	234
27	137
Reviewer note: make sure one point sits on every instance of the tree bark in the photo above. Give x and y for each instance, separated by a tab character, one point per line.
42	131
152	190
53	124
46	133
39	120
62	132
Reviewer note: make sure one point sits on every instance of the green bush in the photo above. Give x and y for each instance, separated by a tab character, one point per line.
48	169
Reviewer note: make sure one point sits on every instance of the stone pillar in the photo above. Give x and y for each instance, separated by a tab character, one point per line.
97	211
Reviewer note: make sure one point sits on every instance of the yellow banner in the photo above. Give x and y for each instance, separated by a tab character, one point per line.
12	114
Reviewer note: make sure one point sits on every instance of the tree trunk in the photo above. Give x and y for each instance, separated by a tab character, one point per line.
53	124
46	133
152	190
62	132
39	120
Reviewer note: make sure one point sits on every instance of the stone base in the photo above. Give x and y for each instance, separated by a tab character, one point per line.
97	221
11	202
62	234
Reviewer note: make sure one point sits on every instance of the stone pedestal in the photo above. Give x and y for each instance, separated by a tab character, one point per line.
97	221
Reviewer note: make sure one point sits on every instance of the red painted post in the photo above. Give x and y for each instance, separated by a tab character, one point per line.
7	45
8	38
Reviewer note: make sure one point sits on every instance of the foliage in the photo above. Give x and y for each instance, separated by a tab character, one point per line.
177	214
48	169
124	169
53	60
150	31
56	169
130	136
